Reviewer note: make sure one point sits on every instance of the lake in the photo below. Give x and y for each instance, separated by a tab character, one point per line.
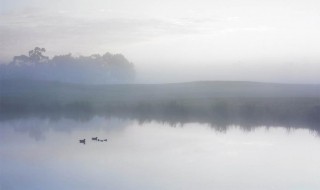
45	153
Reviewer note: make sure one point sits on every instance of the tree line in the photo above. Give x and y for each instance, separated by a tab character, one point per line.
96	68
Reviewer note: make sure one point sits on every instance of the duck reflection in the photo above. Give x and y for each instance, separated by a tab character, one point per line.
102	140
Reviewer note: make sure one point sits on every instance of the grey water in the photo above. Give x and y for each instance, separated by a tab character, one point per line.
42	153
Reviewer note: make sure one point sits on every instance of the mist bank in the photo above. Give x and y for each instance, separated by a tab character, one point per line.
217	103
94	69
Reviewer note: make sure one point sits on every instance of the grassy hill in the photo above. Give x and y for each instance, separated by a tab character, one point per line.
204	89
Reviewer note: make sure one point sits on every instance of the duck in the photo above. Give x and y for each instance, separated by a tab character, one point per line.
82	141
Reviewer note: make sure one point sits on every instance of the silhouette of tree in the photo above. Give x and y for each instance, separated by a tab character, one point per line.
21	60
96	68
35	56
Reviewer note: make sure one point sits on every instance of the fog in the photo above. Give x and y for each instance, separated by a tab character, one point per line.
174	41
159	94
94	69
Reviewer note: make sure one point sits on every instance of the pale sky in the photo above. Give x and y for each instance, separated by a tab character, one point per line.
175	40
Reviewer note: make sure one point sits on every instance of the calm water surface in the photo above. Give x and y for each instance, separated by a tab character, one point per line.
44	154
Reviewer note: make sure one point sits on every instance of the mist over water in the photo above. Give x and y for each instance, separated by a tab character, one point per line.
153	95
154	156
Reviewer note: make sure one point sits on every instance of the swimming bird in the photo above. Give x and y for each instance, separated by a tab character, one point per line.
83	141
94	138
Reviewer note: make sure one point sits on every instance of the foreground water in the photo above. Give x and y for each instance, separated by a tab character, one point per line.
46	154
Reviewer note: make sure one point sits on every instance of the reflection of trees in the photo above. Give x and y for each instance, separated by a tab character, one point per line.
37	124
172	104
219	115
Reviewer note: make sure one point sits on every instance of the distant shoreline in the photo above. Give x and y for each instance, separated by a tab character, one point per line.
28	80
221	103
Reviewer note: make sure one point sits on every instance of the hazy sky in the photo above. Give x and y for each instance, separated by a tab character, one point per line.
175	40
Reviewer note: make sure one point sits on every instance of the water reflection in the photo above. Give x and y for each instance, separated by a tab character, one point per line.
218	122
36	127
154	156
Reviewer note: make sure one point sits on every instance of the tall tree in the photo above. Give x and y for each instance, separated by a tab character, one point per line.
35	56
